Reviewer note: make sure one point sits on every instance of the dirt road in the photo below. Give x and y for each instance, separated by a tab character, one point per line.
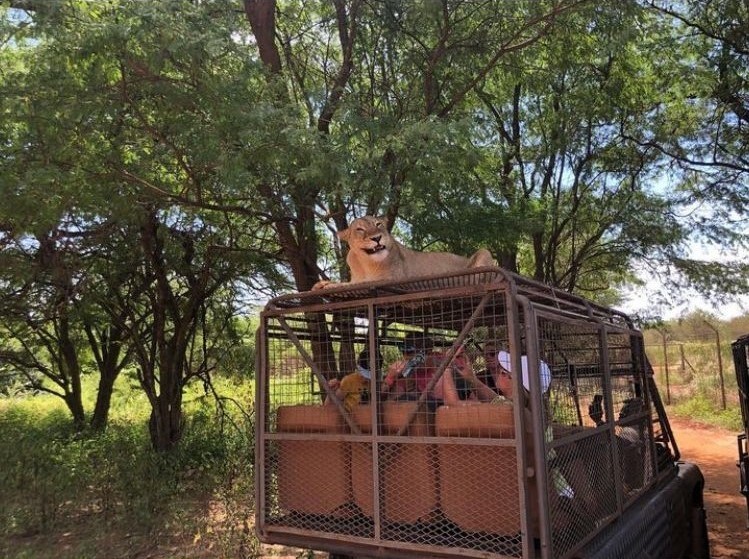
714	451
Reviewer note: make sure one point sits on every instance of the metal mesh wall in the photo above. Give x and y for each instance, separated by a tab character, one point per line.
598	443
404	466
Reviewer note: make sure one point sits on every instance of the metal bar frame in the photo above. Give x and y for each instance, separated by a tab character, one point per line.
534	300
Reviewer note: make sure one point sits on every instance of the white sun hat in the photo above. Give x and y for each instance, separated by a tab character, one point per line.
544	373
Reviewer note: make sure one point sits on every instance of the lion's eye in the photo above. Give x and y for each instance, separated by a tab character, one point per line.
360	230
378	225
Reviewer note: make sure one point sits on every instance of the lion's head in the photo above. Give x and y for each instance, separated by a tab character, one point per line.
368	238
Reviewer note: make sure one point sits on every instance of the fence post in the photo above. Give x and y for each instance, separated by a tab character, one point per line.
665	364
720	364
683	361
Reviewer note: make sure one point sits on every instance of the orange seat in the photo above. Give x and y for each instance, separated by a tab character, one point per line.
313	475
408	477
479	484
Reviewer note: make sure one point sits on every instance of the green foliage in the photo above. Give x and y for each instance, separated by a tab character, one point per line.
52	478
567	137
545	154
123	119
702	408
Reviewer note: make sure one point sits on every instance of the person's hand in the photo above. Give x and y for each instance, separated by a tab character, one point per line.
460	358
394	371
334	384
464	368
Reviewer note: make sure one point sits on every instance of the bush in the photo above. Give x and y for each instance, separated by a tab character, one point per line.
701	407
54	480
34	480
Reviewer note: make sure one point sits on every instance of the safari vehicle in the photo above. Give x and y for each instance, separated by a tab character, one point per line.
740	350
580	463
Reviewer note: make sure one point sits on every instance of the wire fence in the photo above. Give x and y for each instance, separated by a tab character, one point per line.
688	369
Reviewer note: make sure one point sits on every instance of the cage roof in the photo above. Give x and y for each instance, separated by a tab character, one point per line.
463	284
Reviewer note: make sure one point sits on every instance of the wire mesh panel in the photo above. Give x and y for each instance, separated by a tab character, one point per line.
596	416
479	488
402	418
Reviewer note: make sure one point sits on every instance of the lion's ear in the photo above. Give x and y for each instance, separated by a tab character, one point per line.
345	234
384	220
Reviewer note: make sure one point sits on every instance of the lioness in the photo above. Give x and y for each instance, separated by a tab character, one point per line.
375	255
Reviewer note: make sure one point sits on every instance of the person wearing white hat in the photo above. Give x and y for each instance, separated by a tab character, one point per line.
503	378
499	365
504	383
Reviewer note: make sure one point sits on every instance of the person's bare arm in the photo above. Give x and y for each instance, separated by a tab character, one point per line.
482	391
389	382
465	369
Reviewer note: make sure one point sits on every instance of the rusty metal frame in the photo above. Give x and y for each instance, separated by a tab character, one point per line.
261	360
534	300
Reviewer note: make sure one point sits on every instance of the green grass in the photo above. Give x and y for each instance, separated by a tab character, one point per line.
64	494
702	409
693	386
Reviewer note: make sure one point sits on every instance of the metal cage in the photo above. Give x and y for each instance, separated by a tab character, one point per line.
399	471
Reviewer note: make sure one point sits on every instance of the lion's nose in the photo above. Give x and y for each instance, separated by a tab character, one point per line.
377	239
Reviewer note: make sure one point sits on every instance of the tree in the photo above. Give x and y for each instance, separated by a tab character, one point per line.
425	157
145	130
537	161
699	126
179	320
41	333
194	146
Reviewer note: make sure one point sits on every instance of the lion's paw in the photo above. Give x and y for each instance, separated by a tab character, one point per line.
322	284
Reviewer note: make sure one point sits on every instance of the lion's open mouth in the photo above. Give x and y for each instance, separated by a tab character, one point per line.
375	249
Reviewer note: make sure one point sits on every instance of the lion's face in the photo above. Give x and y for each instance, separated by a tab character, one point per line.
368	236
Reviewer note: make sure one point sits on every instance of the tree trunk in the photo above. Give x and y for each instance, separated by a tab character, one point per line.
107	349
71	369
262	17
165	425
75	405
166	416
299	243
103	400
508	260
166	353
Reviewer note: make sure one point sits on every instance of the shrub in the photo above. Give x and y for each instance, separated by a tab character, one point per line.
52	478
702	408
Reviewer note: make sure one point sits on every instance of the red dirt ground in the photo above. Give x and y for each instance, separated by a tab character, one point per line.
715	452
